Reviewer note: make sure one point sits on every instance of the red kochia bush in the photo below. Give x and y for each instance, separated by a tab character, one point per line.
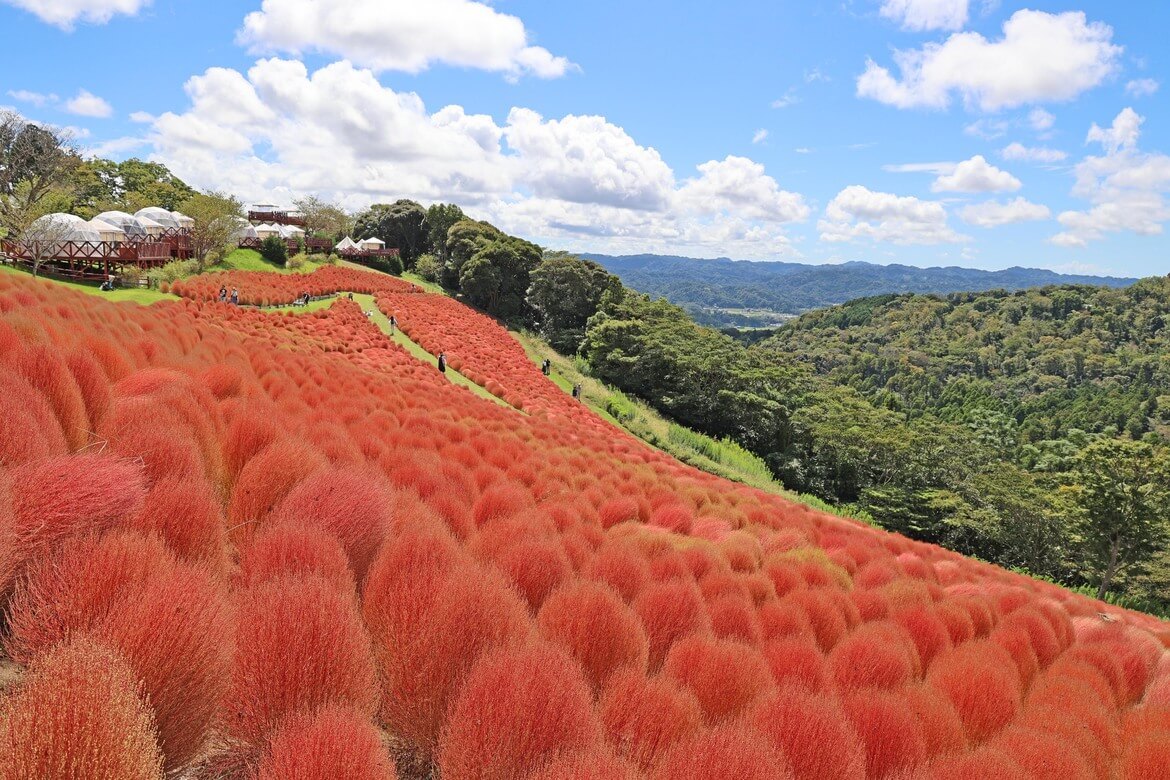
797	663
432	613
266	480
874	656
188	517
535	567
65	496
813	733
622	567
519	707
985	763
725	676
1043	756
330	744
78	713
597	764
293	550
981	681
670	611
29	430
1145	756
500	501
891	733
589	621
644	717
43	368
350	505
617	510
167	619
726	753
300	644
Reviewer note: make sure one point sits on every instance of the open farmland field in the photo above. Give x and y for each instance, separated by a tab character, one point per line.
238	544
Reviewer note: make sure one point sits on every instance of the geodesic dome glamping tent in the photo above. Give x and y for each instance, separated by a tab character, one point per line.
159	215
244	230
58	229
129	224
107	231
184	221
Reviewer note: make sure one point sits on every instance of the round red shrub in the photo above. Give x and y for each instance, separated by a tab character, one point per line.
984	763
329	744
617	510
41	366
892	735
592	623
797	661
501	500
670	611
812	732
726	677
941	725
644	717
596	764
827	621
187	515
875	656
352	506
779	620
980	679
928	632
432	614
300	644
726	753
29	431
78	713
265	481
519	707
294	550
734	618
1043	756
70	495
673	517
535	566
1145	756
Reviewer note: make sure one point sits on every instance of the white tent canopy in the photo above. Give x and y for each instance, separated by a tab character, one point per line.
183	220
107	231
264	230
244	229
151	227
289	231
62	227
345	244
372	243
129	224
159	215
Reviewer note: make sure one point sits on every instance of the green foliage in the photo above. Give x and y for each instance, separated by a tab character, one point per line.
490	268
565	291
437	222
399	224
35	162
429	267
216	218
274	250
323	219
172	272
1122	492
297	261
104	185
723	451
620	407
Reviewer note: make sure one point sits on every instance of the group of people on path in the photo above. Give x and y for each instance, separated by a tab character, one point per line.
546	369
234	299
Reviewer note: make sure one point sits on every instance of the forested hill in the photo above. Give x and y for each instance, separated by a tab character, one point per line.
1049	360
708	289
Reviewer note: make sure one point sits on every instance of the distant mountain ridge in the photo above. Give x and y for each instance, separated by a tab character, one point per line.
705	287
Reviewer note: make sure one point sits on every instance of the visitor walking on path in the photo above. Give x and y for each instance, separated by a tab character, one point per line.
577	391
443	362
546	367
393	324
235	297
223	295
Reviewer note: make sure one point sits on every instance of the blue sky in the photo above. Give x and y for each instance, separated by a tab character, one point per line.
928	132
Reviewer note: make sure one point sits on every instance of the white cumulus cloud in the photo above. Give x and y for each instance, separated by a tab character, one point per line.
926	14
1126	188
1041	57
1041	154
85	103
976	175
1141	87
993	213
1041	120
858	213
279	131
403	35
760	136
66	13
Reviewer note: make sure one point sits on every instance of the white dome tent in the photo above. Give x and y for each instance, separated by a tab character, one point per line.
159	215
55	230
185	222
129	224
108	232
372	244
245	230
152	228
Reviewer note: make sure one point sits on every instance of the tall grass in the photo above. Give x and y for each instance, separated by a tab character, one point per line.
723	451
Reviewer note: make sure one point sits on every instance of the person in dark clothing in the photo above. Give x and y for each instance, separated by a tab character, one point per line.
393	324
235	297
546	367
351	296
223	295
443	362
577	391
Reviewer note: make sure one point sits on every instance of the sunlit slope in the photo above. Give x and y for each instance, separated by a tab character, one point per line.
247	542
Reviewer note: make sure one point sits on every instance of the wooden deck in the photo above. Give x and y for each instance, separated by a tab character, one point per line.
94	260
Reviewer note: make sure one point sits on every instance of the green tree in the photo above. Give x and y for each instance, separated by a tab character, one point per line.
480	282
429	267
1122	491
565	291
35	162
464	239
274	250
217	217
104	185
323	219
399	224
439	219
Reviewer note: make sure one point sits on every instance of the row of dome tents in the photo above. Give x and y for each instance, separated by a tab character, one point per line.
112	226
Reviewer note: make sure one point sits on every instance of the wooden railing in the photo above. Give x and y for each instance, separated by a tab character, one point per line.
88	259
276	217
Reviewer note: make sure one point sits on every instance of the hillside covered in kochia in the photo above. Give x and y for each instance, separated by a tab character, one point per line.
236	544
975	421
729	292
